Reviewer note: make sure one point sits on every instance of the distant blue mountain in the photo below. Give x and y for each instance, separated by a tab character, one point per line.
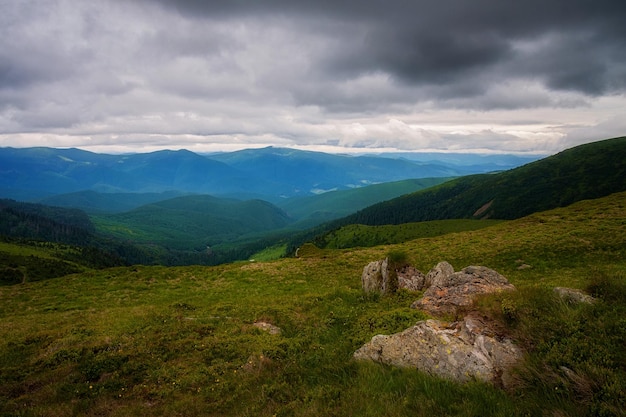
31	174
313	172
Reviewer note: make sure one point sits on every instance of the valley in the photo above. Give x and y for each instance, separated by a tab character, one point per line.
155	303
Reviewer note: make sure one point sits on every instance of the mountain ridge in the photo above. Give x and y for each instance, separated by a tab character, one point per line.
31	174
586	171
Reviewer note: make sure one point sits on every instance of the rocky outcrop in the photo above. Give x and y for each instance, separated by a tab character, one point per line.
377	277
450	292
439	274
461	351
467	349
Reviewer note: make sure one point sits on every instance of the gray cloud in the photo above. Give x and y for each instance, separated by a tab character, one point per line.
427	41
370	73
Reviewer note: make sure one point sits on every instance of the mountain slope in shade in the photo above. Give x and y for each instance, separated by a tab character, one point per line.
95	202
193	222
312	210
585	172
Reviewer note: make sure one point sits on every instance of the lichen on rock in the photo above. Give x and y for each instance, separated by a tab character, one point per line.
462	351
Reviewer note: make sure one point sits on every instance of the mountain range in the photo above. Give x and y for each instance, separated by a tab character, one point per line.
271	174
180	226
91	328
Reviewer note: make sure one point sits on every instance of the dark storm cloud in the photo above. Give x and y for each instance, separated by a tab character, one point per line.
425	41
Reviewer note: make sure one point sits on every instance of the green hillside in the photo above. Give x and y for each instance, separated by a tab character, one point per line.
356	235
153	341
327	206
95	202
587	171
34	261
193	222
36	221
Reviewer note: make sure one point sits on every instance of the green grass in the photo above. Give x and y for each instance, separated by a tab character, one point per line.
154	341
271	253
34	261
356	235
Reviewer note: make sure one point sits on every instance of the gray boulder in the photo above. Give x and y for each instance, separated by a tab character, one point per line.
439	275
375	276
460	351
450	292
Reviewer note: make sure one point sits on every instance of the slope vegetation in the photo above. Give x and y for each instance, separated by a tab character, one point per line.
151	341
68	233
44	222
356	235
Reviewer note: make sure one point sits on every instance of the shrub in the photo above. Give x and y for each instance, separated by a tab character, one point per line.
396	260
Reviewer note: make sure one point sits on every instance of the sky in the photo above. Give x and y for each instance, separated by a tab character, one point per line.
481	76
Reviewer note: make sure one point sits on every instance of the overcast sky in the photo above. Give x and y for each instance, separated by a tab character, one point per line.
534	76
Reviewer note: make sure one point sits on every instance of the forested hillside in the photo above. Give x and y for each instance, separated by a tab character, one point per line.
46	223
70	231
313	210
193	222
587	171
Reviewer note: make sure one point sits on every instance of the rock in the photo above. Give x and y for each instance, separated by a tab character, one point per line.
472	348
460	351
411	279
267	327
572	295
451	292
438	276
375	276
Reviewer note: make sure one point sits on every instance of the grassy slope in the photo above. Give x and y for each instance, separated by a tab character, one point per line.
356	235
35	261
179	341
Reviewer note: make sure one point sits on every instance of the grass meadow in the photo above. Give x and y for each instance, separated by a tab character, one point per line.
181	341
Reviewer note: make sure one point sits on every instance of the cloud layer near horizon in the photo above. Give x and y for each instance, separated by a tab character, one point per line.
486	75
